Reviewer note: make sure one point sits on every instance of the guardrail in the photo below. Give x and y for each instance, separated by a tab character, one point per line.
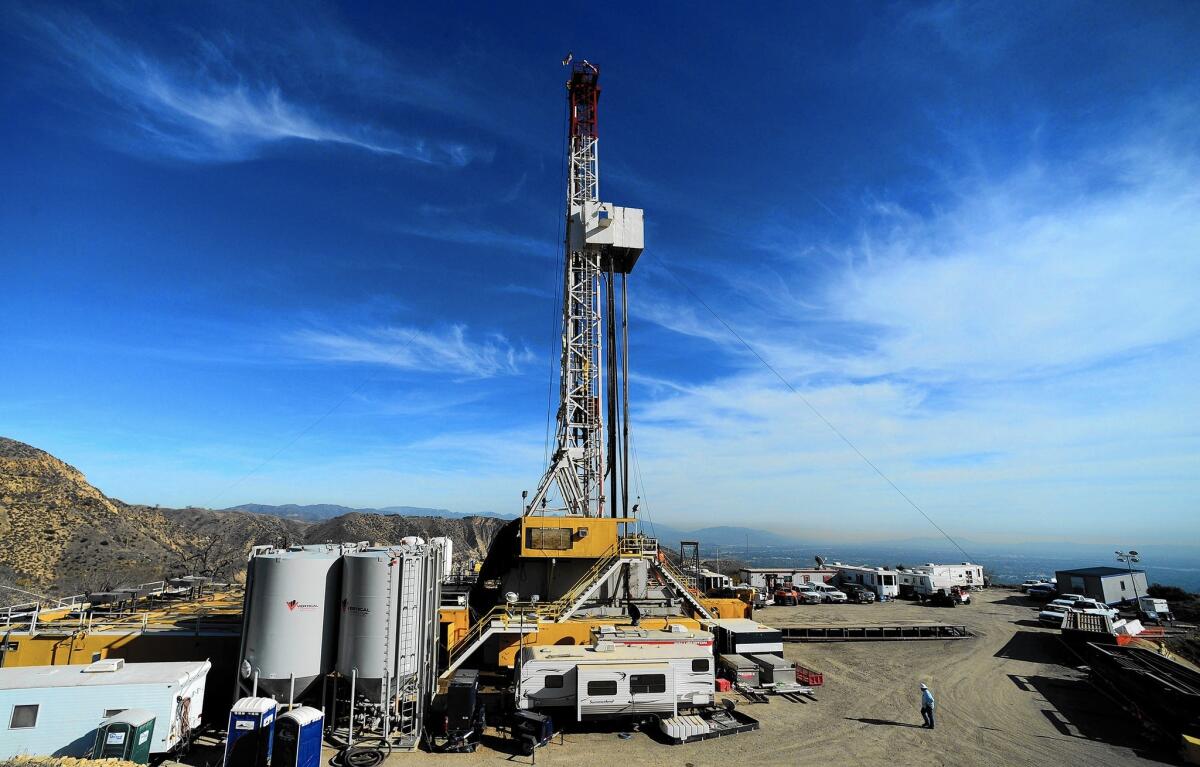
885	633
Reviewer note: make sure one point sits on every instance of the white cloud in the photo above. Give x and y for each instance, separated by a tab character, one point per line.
1021	360
199	106
449	350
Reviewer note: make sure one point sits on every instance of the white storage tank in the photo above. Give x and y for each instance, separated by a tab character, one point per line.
447	554
289	625
367	633
386	614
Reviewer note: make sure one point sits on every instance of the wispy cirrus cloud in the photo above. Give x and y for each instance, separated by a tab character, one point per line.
448	350
204	103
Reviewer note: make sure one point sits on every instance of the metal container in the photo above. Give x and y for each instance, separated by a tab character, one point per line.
289	628
367	635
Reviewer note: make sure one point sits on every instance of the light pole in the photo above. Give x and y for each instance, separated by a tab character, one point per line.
1129	558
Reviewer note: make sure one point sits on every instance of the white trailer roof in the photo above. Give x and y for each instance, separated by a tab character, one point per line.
34	677
618	654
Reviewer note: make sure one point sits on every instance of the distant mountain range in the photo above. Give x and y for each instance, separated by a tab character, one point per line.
709	537
318	512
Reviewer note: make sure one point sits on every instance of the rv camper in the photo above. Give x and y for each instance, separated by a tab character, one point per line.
884	582
607	680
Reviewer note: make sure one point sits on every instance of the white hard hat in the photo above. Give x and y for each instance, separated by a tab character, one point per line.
923	687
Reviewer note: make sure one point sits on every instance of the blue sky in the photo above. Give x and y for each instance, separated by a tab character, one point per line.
306	253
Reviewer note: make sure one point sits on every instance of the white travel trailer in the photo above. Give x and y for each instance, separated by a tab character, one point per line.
884	582
607	680
962	574
55	710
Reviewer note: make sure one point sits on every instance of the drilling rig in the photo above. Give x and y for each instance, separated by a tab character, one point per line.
568	569
602	241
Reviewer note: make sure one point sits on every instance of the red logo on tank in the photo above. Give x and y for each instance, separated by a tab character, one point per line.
292	604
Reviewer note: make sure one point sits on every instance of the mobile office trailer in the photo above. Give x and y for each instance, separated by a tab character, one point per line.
56	710
604	680
884	582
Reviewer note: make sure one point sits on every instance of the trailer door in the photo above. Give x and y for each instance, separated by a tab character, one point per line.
602	689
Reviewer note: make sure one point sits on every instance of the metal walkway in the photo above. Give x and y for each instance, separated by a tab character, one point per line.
878	633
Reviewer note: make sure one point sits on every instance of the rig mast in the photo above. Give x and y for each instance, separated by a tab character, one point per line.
602	240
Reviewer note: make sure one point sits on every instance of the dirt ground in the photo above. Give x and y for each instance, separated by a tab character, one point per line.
1004	697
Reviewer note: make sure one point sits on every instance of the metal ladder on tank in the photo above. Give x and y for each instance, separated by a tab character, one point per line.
408	691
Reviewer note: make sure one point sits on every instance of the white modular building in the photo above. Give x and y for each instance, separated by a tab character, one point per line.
55	710
768	579
884	582
607	680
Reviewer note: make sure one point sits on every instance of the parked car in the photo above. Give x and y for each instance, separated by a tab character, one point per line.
826	592
1053	614
785	597
1041	591
1065	603
1072	597
1031	582
858	594
1098	608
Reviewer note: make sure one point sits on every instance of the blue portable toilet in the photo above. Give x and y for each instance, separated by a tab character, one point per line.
298	738
249	738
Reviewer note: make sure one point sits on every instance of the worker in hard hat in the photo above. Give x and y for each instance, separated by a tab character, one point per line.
926	706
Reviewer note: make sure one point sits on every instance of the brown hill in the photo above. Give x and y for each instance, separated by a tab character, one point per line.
57	530
472	536
60	535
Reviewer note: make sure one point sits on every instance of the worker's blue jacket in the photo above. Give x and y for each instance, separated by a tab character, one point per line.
926	699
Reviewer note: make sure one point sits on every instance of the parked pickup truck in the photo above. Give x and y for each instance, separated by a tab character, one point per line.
858	594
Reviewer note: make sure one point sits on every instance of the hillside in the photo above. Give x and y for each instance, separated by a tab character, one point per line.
61	535
55	528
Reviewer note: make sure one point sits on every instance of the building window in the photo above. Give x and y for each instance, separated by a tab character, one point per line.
23	717
555	538
554	681
645	684
700	664
602	687
112	712
1122	585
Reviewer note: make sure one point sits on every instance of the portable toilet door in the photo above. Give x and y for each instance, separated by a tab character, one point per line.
298	738
250	735
126	735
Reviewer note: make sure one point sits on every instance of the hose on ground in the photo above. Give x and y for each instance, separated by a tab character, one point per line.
367	753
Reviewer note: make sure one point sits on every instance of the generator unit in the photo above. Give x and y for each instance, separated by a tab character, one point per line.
775	670
126	735
298	738
251	733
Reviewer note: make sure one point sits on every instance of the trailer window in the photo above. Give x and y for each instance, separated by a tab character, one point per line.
602	687
23	717
554	681
700	664
642	684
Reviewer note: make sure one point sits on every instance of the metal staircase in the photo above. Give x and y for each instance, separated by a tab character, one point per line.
681	584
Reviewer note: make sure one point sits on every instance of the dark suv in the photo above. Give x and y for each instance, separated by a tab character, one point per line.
858	594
